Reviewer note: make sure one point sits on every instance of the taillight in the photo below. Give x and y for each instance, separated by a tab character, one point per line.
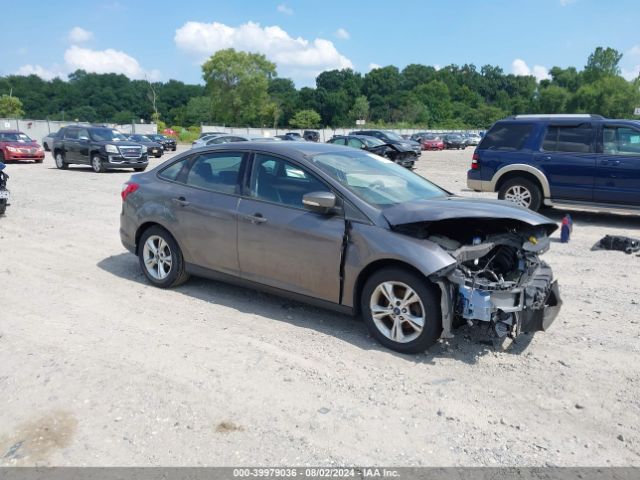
475	161
127	189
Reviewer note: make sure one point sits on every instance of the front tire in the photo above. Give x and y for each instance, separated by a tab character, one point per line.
523	192
401	310
161	259
60	163
3	206
97	165
139	169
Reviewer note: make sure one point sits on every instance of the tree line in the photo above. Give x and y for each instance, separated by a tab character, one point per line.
243	89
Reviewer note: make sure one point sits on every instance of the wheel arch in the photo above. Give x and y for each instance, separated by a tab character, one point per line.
521	170
146	226
376	266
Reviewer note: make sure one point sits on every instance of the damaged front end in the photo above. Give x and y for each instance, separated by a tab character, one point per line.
498	278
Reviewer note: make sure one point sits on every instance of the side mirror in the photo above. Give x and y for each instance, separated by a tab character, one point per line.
319	202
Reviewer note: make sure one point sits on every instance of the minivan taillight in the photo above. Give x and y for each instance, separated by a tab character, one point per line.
127	189
475	161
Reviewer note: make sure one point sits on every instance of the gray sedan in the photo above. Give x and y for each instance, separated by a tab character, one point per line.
344	229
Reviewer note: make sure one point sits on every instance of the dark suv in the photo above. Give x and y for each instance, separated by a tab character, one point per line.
100	147
569	160
391	138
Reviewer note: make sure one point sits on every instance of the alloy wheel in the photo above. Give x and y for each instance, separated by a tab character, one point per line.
157	257
519	195
397	311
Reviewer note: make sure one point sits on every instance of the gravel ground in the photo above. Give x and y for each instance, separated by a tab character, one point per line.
98	368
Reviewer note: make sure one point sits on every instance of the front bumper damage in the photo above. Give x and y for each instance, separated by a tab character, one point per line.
517	294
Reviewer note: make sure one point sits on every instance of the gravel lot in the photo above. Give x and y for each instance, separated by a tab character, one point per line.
99	368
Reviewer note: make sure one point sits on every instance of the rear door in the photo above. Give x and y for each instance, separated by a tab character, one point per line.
280	243
567	158
70	144
618	165
83	145
204	201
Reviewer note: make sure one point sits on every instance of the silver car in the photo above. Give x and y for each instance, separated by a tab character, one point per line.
344	229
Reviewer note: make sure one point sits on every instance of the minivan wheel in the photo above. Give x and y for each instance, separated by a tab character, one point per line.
97	165
522	192
60	163
401	311
161	259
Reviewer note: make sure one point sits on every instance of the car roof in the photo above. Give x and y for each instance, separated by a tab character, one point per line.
281	148
10	131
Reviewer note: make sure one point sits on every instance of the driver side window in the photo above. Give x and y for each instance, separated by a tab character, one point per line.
279	181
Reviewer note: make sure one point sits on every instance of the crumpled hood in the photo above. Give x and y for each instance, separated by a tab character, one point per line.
446	208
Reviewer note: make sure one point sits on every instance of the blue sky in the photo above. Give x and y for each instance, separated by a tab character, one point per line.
163	40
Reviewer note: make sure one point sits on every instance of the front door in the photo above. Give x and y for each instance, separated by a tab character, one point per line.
280	243
618	166
567	158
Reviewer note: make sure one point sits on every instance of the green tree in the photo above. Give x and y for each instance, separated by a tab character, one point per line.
10	106
553	99
360	110
238	83
602	62
305	119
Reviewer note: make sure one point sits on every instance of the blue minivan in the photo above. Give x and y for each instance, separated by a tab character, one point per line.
568	160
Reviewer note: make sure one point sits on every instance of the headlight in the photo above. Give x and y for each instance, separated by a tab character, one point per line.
13	149
111	148
144	149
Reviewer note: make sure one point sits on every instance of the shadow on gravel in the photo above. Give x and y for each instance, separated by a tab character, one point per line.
469	344
88	169
597	219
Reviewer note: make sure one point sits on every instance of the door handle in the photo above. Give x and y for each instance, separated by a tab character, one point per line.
181	201
255	218
615	163
546	158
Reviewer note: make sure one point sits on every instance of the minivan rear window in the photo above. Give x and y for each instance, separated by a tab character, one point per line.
506	136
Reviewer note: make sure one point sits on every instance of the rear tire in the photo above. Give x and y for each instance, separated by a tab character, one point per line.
139	169
3	206
97	165
405	322
60	163
523	192
38	161
161	258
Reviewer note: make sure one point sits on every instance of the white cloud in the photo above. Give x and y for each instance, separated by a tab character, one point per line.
342	34
564	3
298	57
106	61
282	8
43	73
520	67
79	35
373	66
631	74
437	67
634	51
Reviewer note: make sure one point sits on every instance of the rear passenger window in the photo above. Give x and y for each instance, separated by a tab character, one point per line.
172	171
355	143
339	141
573	139
506	136
217	172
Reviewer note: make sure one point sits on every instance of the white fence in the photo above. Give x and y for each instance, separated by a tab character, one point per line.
325	134
37	129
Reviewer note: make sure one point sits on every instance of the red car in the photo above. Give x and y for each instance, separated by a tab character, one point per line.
15	145
432	142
